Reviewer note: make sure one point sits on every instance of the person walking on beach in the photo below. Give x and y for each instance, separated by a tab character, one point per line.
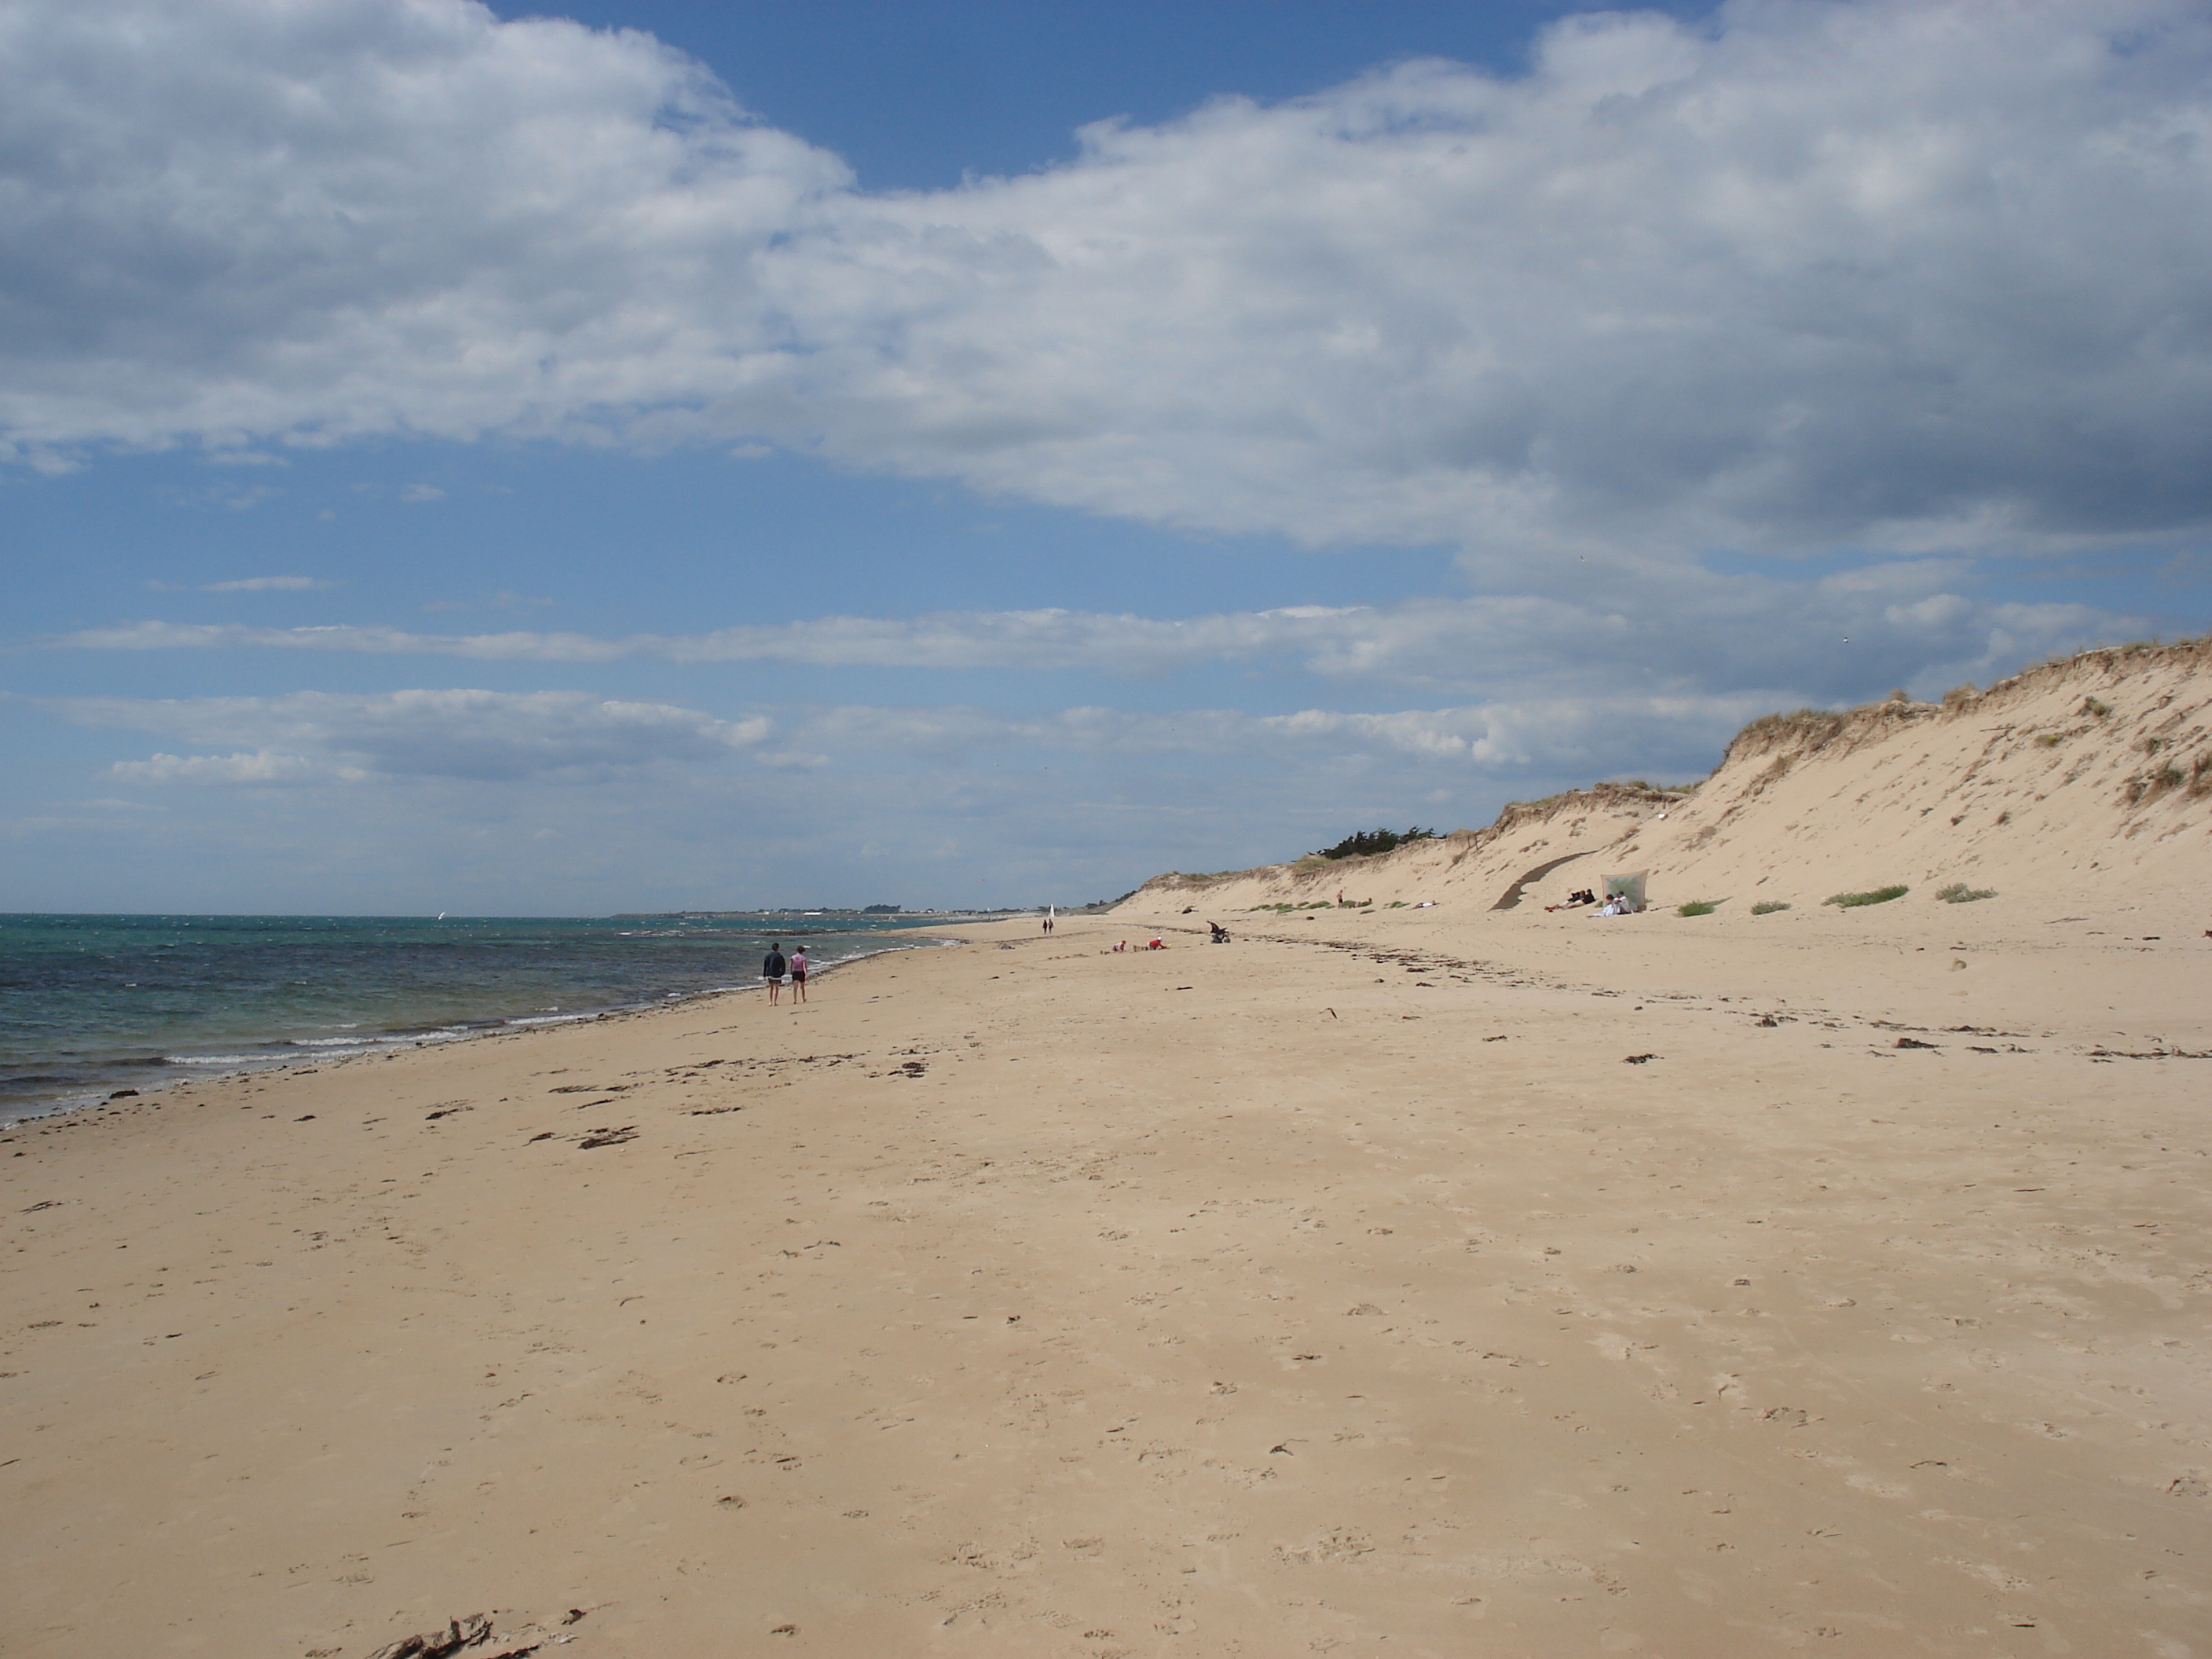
799	975
772	971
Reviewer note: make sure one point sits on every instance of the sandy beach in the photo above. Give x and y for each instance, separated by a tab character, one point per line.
1623	593
1393	1282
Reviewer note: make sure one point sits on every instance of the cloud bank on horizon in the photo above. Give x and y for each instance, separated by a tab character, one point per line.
1908	622
1728	358
1909	275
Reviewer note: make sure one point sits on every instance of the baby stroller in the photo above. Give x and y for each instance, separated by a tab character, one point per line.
1220	933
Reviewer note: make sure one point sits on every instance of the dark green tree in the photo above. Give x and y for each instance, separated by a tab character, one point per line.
1365	841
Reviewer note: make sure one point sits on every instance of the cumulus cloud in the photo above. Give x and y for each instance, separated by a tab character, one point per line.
482	735
1913	274
1902	621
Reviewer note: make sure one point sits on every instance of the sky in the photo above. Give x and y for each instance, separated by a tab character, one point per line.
656	456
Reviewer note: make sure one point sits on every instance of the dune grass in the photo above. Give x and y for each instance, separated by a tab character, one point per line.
1698	908
1872	896
1768	907
1958	893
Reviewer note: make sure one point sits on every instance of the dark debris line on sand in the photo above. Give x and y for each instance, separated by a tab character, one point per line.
475	1631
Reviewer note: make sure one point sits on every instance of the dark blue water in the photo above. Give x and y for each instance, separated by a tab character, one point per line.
92	1004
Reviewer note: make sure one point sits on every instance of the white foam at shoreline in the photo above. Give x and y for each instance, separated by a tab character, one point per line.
288	1053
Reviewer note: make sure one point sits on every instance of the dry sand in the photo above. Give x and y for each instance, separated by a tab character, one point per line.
1346	1293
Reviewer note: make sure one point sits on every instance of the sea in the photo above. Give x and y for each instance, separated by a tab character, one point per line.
90	1005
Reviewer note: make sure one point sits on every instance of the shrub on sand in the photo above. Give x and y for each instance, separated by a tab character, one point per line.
1366	843
1873	896
1768	907
1698	908
1958	893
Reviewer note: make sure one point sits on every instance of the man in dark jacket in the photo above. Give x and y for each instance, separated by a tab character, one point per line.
772	971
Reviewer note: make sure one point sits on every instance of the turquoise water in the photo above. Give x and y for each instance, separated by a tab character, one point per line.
92	1004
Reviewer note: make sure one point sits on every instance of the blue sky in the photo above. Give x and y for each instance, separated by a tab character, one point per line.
688	455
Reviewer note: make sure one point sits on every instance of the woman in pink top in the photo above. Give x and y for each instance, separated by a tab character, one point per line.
798	974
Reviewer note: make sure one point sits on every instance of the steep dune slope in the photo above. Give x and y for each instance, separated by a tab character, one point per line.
1560	835
2089	778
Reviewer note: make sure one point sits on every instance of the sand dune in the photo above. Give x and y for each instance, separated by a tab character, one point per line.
2089	779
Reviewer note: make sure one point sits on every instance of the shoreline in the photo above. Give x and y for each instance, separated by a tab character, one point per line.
1345	1289
168	1071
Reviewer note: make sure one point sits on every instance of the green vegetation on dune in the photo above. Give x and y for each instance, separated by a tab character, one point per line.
1874	895
1365	843
1768	907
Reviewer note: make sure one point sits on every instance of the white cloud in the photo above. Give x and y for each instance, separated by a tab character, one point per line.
502	736
1916	274
268	585
480	736
259	766
375	642
1906	620
248	217
1498	739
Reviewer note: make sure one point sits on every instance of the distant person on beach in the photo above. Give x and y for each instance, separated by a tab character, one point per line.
771	970
798	965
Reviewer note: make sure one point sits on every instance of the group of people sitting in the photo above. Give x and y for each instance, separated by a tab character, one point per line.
1615	904
1153	945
